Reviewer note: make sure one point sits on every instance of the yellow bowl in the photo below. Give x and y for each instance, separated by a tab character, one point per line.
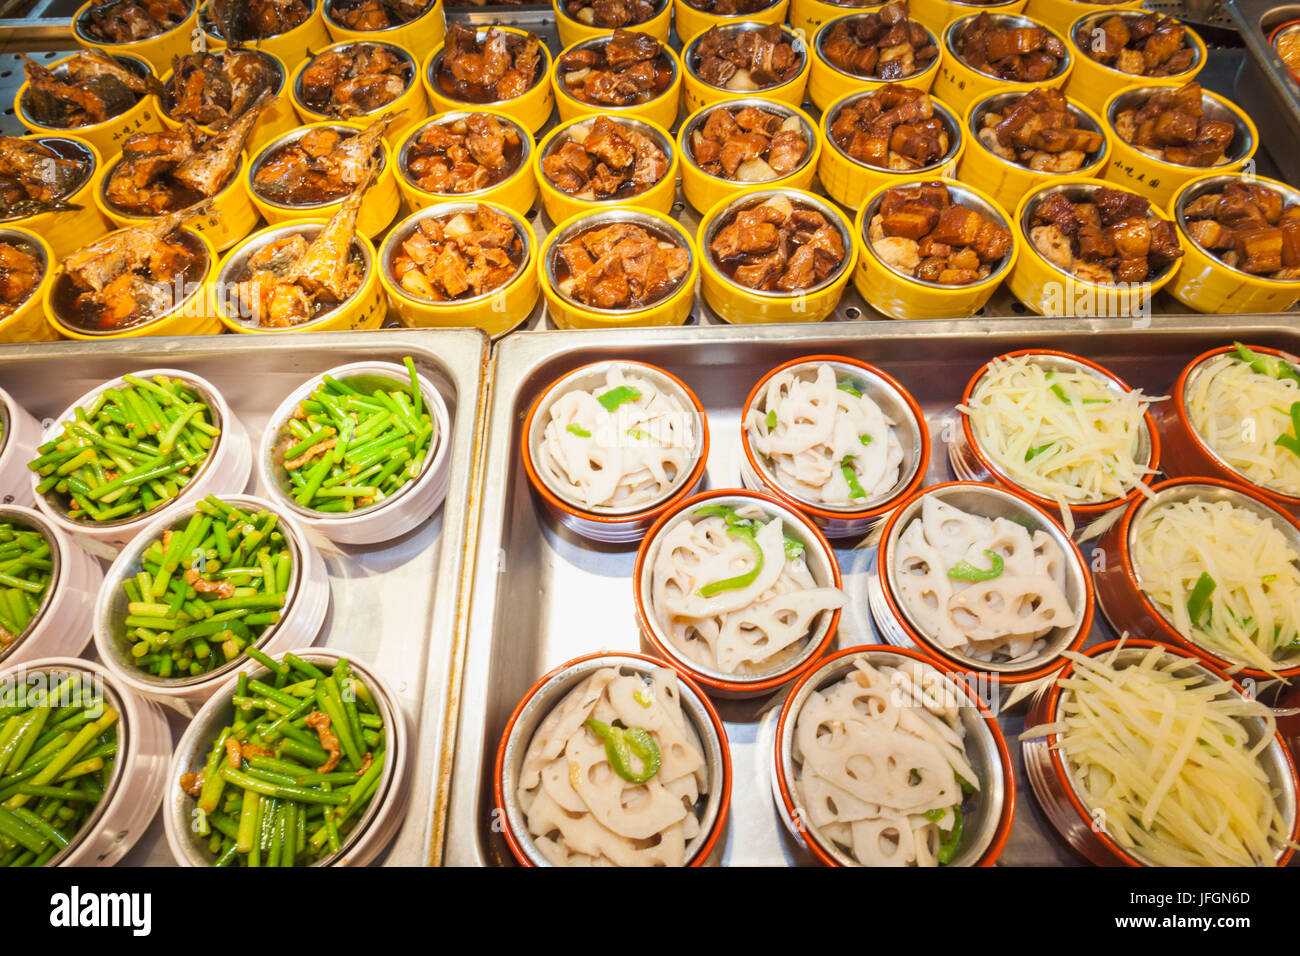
69	230
692	21
700	93
290	47
736	303
828	83
848	181
231	217
1059	14
661	110
704	191
902	297
1205	282
157	50
517	192
412	106
937	14
1157	179
560	205
1051	291
532	108
425	31
675	309
495	312
192	316
809	15
276	119
27	322
107	136
573	30
1008	181
378	207
960	85
1091	83
364	310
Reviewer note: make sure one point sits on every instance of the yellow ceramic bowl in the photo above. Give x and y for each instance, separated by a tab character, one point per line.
1008	181
495	312
157	50
231	217
902	297
1157	179
192	316
27	322
704	191
107	136
828	83
290	47
364	310
422	33
567	313
532	108
809	15
661	110
734	302
560	205
69	230
937	14
276	119
692	21
849	181
1049	290
960	85
1205	282
377	208
1059	14
517	192
412	106
1091	83
573	30
700	93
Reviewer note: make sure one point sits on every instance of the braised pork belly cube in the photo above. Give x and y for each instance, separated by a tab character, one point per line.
894	127
622	266
610	14
1018	54
500	67
883	45
627	69
922	232
748	144
1250	227
464	155
459	255
745	61
1111	237
1171	125
1038	131
1150	44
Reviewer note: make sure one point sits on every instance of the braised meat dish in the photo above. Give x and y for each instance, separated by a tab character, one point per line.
1171	125
20	274
1038	131
38	175
745	61
1151	44
605	159
355	79
464	154
620	266
626	69
90	88
1111	237
368	15
779	245
498	67
924	233
894	128
1018	54
1250	227
459	256
213	89
730	8
748	144
882	45
611	14
124	21
321	166
247	20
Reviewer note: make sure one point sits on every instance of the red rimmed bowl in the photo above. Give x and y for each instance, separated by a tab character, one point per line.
799	657
989	820
612	525
1060	800
1128	607
844	521
542	698
896	624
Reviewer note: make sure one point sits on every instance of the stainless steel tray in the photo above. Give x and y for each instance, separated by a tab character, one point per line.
541	596
398	606
1265	88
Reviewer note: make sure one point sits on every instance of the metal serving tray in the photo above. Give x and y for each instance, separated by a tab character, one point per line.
396	607
541	595
1265	88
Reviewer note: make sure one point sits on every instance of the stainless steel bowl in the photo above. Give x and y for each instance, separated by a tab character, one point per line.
271	61
270	149
598	43
690	56
81	29
544	64
23	242
951	124
329	15
33	520
784	110
1290	197
1243	140
412	71
665	143
209	26
819	42
999	101
66	149
1089	23
408	147
955	44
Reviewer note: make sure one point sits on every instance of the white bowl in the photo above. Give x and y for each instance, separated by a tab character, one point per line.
18	440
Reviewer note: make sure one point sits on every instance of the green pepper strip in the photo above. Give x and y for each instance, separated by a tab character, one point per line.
952	842
1200	599
1292	442
617	396
965	571
1266	364
621	743
855	487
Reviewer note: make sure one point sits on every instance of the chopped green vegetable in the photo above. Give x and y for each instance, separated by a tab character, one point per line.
639	696
573	428
25	570
1096	401
793	548
740	581
1200	599
935	815
1035	452
966	786
771	421
952	842
865	439
1059	392
846	386
965	571
622	743
1268	365
1292	442
617	396
855	487
638	434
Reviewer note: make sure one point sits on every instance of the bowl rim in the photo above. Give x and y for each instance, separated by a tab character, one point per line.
562	14
798	42
430	74
558	136
951	121
402	154
697	119
1093	161
40	250
327	11
295	81
951	35
562	90
824	30
89	156
1241	122
1131	13
210	28
729	17
1196	188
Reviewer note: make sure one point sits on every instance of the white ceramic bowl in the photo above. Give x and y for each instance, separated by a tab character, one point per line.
19	436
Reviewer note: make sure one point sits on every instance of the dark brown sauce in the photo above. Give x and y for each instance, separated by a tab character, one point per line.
663	79
323	190
447	85
562	272
64	149
513	153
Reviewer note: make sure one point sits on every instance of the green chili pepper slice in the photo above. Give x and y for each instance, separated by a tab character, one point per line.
771	421
1035	452
850	388
966	785
965	571
793	547
740	581
865	439
621	743
935	815
1266	364
617	396
952	842
855	487
1292	442
1200	599
576	429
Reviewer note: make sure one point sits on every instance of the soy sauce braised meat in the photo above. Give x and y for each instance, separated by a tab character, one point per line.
367	15
894	127
322	165
1171	125
459	256
610	14
38	177
1111	237
1038	131
123	21
748	144
621	266
1018	54
90	88
779	245
355	79
1250	227
213	89
247	20
730	8
605	159
627	69
883	44
20	274
921	231
746	60
499	67
1148	45
464	155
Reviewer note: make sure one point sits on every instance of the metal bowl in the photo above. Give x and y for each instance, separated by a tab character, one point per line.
951	124
553	144
998	101
1290	197
133	63
819	42
66	148
954	41
270	149
783	110
408	147
412	71
329	16
23	242
33	520
1088	23
210	26
598	43
690	57
1243	138
480	33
